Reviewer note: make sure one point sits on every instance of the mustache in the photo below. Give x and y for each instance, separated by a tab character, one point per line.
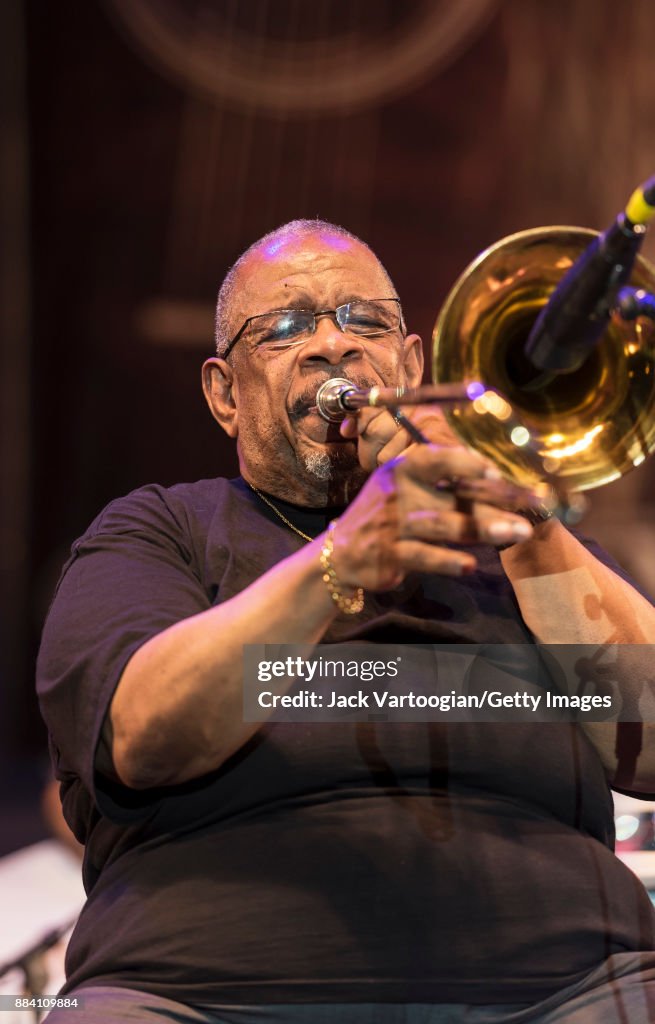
306	400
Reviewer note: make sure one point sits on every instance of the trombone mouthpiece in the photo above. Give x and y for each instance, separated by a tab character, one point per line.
332	398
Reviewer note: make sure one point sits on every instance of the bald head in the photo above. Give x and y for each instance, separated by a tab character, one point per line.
271	247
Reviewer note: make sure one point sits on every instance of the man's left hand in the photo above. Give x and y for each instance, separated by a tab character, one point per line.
381	439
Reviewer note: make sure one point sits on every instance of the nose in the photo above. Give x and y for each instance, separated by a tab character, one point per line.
329	344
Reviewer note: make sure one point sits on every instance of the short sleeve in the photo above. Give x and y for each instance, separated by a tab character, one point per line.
131	576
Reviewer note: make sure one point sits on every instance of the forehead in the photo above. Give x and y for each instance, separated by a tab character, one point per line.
320	270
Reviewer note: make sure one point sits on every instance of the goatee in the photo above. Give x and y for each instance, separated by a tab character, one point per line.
326	466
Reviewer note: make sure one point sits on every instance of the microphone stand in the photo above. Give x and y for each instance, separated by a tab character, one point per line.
32	965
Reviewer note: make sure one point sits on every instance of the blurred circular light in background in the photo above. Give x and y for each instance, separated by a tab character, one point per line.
297	59
626	826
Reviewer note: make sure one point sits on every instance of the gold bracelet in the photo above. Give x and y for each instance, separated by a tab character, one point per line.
349	605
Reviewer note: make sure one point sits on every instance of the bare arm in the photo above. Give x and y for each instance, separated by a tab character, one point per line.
567	596
177	711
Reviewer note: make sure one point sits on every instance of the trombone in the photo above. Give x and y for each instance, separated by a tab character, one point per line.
543	355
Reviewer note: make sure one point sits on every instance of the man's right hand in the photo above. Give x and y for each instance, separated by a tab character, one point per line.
414	505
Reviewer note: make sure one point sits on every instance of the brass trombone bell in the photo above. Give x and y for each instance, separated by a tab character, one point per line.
588	427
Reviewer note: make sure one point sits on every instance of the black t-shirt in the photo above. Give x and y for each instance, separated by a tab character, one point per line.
377	862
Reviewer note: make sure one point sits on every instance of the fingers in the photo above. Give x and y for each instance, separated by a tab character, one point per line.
455	527
431	421
381	563
471	478
499	492
381	438
418	504
375	428
395	447
364	422
430	464
414	556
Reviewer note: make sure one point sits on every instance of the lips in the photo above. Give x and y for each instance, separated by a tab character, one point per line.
307	420
305	410
304	405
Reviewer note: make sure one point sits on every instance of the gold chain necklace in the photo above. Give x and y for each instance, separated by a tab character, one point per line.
278	513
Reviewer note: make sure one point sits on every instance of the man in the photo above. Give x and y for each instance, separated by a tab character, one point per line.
350	872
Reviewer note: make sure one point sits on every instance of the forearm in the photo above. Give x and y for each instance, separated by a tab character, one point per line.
567	597
177	712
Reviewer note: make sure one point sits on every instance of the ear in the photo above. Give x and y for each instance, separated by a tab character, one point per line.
218	387
413	359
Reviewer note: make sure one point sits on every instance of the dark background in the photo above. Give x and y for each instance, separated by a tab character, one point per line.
146	143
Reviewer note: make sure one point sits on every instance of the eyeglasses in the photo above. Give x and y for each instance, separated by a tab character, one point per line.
282	328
